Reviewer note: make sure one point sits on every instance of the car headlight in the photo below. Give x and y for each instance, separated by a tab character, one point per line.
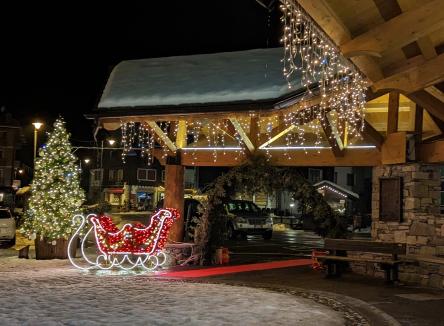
269	220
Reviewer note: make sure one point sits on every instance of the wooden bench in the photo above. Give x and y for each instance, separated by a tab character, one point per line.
338	249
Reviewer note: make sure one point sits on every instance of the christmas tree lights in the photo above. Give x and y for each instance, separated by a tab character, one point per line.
56	193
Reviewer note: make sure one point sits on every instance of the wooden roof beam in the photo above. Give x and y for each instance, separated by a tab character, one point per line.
425	43
162	135
333	136
398	31
332	25
415	78
237	126
372	135
434	106
435	92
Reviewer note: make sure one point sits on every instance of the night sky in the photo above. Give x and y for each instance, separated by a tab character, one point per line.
56	57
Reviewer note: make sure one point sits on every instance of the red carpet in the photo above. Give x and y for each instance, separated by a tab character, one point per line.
211	271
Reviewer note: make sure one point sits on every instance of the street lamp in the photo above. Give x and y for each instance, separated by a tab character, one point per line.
111	142
37	126
86	160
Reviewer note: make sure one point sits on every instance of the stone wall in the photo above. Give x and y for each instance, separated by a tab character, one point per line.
422	226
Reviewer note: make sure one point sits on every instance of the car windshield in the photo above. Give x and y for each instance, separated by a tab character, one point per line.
242	207
4	214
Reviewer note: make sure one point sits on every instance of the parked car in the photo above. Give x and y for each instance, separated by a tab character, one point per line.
246	218
7	226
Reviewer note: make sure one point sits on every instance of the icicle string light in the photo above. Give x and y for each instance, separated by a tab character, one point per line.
312	61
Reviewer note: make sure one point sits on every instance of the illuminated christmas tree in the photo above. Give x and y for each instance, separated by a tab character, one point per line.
56	193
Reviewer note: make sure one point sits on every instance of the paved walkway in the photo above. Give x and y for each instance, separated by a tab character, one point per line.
408	305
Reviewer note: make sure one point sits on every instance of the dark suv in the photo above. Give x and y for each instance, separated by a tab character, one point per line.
245	218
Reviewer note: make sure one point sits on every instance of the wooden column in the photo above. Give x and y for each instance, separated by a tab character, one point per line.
174	192
392	116
418	128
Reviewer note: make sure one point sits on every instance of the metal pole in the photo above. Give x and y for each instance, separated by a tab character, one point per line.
101	171
35	144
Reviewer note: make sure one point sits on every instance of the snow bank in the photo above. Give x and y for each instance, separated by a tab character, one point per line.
52	293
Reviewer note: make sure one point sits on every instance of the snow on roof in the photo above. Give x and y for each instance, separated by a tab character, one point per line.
337	187
197	79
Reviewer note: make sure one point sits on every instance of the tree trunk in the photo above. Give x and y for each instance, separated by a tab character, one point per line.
46	250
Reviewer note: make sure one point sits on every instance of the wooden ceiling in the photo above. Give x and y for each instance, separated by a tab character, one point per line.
397	44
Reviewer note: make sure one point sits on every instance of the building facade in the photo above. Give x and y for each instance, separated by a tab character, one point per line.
11	140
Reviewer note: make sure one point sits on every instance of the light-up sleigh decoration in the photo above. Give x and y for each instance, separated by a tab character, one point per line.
128	248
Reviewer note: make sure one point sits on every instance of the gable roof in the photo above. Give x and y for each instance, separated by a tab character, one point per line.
337	188
229	77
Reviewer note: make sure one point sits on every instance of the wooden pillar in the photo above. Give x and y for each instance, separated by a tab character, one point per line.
392	116
174	192
418	128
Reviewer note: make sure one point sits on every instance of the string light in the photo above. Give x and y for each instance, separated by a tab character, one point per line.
126	248
313	61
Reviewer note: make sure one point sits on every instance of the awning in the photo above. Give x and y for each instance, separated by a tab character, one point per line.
114	190
23	191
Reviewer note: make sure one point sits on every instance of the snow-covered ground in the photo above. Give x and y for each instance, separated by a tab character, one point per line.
53	293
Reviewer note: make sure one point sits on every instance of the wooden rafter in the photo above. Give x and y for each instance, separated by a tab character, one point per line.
435	92
414	78
398	31
424	43
373	136
428	102
326	18
333	137
163	136
243	135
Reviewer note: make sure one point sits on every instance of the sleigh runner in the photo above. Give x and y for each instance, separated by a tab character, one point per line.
129	247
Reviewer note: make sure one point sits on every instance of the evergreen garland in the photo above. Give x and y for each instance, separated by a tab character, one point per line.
258	176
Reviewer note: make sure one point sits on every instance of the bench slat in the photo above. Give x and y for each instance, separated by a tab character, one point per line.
357	259
364	246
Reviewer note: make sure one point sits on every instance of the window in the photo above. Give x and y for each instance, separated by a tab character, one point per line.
335	177
146	175
350	179
112	175
96	174
163	176
314	175
3	137
119	174
1	155
2	176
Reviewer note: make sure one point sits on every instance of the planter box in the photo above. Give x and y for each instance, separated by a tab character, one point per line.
46	250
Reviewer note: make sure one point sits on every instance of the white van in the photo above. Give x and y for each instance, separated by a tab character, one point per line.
7	226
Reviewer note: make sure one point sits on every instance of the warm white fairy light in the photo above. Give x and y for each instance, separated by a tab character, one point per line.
312	61
333	190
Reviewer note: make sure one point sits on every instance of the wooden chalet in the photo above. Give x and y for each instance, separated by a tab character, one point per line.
397	44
